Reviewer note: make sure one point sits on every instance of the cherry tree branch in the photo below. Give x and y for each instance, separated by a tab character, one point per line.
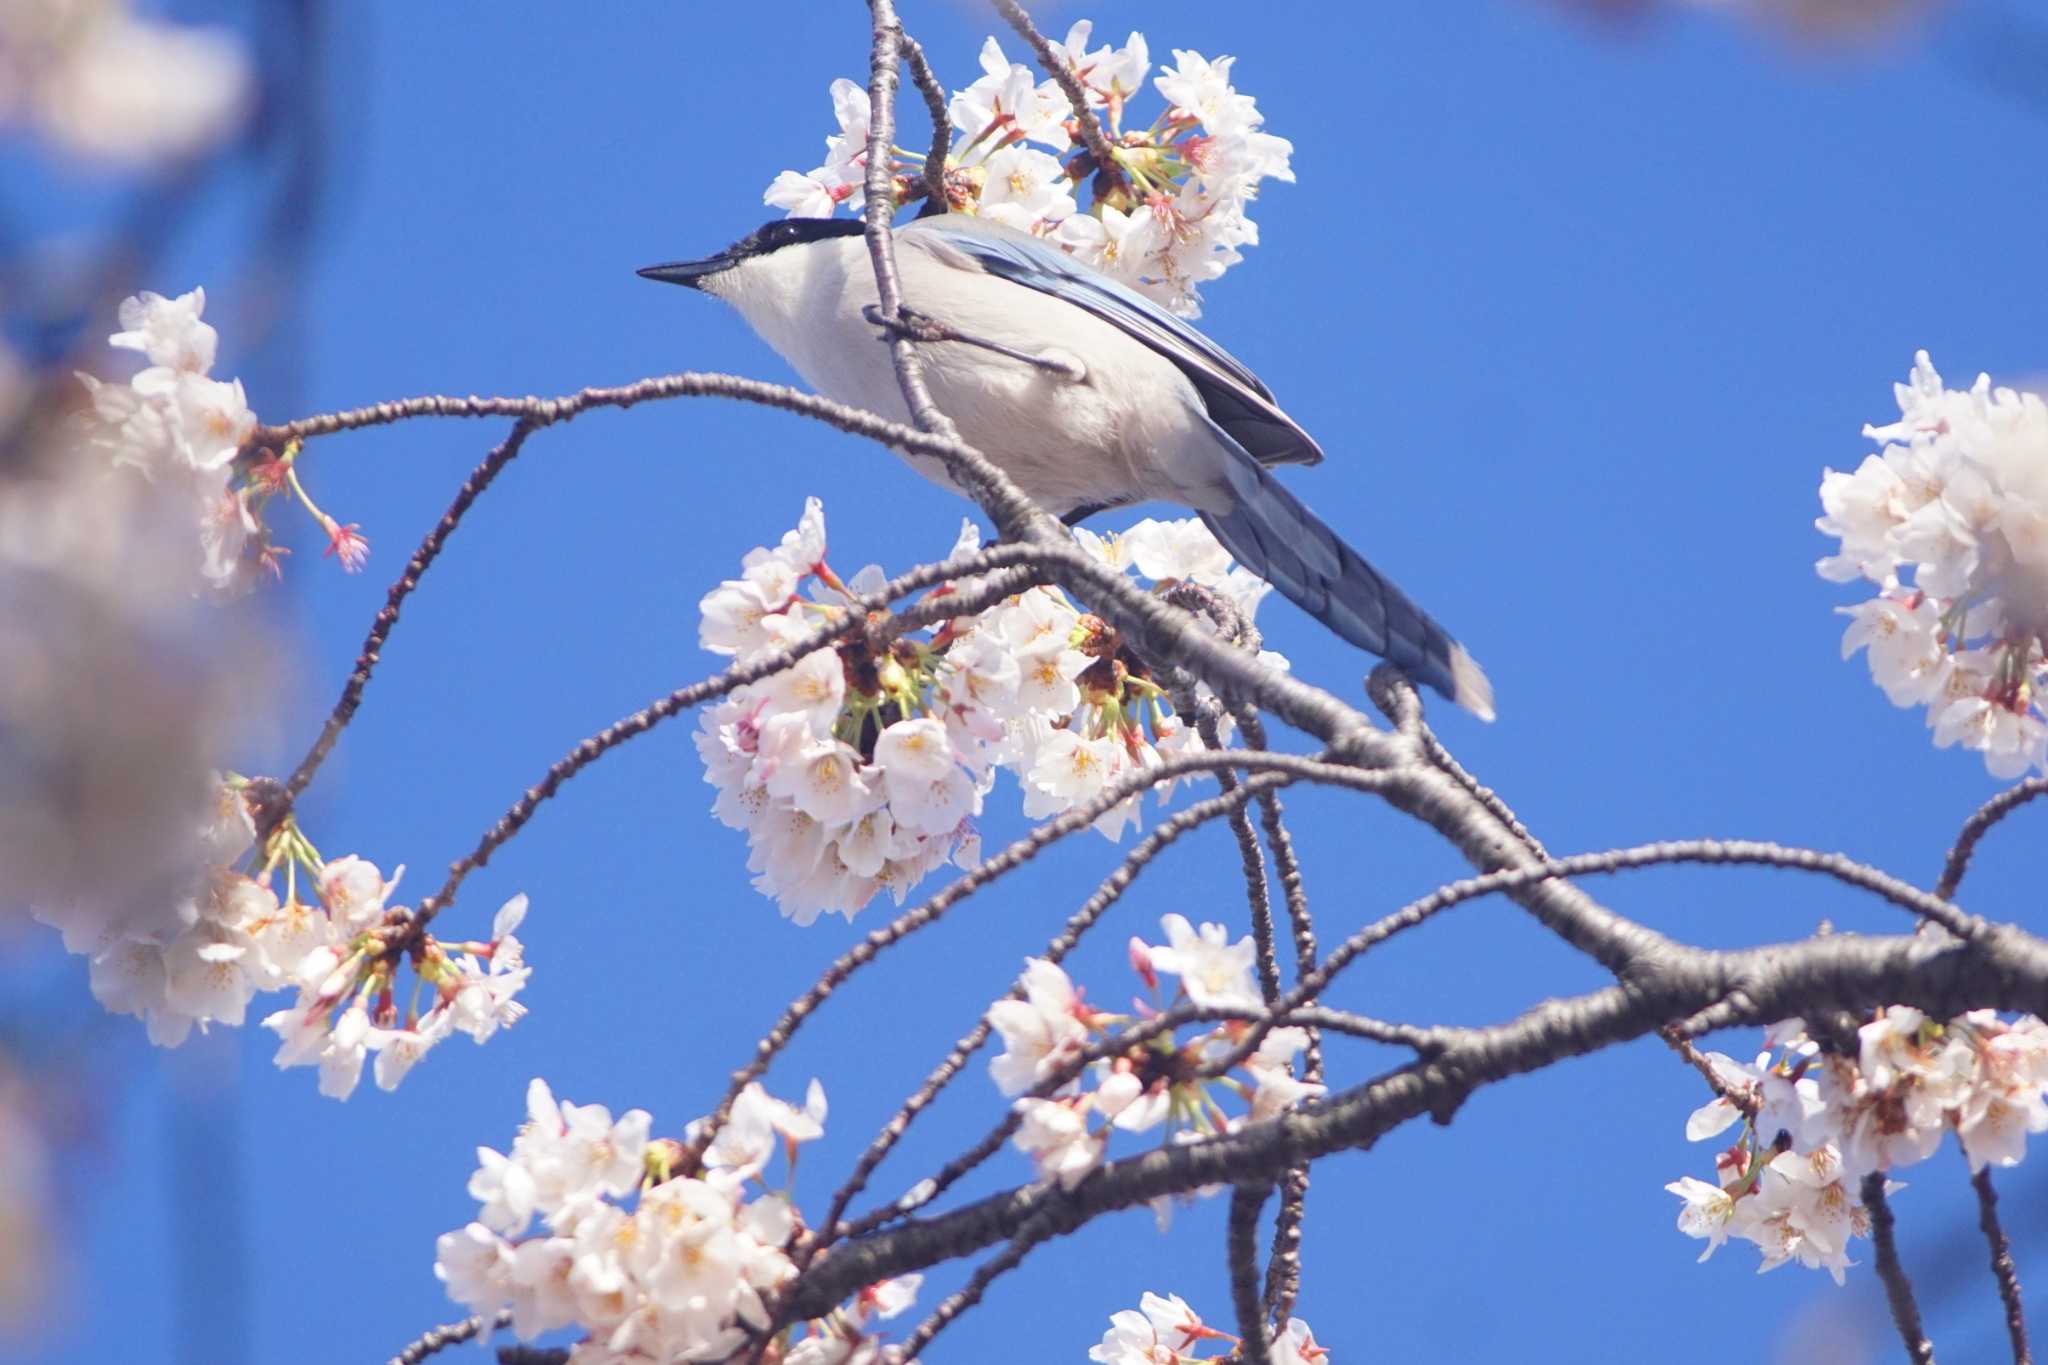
1252	862
1898	1288
2003	1271
1106	895
960	1300
2007	971
1283	1259
386	619
1053	58
451	1334
1978	825
1241	1237
927	83
1661	983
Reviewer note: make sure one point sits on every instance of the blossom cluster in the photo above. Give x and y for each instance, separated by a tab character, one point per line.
186	433
1172	215
1162	1081
1163	1330
1817	1123
658	1250
228	936
1950	521
102	81
864	764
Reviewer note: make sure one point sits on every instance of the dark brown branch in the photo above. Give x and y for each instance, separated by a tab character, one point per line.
1978	825
1053	58
2008	970
1241	1236
2002	1268
1898	1288
1283	1259
1433	1042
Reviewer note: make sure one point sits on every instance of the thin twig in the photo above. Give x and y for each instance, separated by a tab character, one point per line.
1091	910
1978	825
422	559
1408	917
966	1296
1898	1288
1745	1099
1106	895
1711	852
2002	1268
1241	1236
1484	795
764	665
927	83
987	484
1021	851
1053	58
451	1334
1164	634
1252	862
1283	1259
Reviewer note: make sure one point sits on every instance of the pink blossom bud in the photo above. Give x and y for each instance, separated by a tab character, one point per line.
1141	962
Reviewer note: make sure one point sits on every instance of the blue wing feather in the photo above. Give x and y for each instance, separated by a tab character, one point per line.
1235	398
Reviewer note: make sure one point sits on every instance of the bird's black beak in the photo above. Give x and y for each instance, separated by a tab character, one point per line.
688	272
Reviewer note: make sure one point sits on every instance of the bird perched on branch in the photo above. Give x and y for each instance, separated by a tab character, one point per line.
1086	393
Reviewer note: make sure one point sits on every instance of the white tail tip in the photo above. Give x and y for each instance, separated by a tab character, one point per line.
1473	691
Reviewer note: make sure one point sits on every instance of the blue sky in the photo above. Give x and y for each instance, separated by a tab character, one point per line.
1579	314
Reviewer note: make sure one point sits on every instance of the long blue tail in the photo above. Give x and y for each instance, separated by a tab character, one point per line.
1273	535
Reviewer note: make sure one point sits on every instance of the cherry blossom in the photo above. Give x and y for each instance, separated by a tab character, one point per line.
1174	218
1164	1330
1950	521
1821	1122
590	1222
1213	971
865	765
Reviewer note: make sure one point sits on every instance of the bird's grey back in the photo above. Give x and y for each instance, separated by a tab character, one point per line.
1235	398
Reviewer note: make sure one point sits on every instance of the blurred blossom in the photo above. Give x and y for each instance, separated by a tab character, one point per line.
120	695
99	81
1828	21
29	1236
1817	22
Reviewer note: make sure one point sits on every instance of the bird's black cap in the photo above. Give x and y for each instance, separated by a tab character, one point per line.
770	237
